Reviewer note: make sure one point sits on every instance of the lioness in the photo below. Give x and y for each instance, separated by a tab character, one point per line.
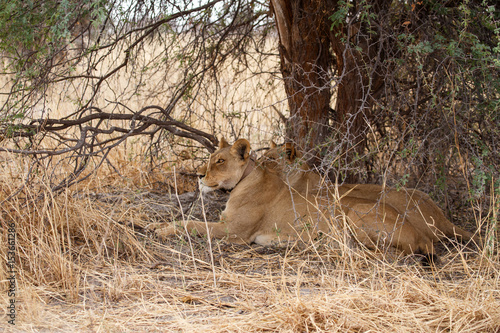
270	202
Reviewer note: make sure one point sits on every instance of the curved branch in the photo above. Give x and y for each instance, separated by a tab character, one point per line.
143	122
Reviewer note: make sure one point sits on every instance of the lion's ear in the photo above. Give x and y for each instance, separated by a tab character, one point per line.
241	148
273	144
290	152
223	143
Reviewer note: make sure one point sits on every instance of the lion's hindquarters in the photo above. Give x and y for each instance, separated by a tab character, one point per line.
379	225
417	207
427	217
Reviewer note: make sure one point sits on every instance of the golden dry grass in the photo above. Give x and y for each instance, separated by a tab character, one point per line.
82	267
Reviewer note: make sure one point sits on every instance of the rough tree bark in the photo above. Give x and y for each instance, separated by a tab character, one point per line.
305	61
309	50
360	80
359	55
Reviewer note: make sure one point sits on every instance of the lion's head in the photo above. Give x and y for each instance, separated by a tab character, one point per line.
285	158
227	166
285	152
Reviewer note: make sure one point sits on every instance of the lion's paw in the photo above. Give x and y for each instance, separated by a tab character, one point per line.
160	230
154	226
165	232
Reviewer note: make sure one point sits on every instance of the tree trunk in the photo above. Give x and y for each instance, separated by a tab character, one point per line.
359	56
350	109
305	62
307	50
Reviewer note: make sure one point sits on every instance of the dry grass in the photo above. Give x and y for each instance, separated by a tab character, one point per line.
86	265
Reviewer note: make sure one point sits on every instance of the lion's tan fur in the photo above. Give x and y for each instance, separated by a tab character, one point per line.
272	201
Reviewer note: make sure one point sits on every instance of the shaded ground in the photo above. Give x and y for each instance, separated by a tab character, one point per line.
164	207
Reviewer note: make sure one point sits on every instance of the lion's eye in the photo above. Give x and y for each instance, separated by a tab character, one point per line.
220	161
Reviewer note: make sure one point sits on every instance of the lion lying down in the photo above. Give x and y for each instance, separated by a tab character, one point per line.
271	201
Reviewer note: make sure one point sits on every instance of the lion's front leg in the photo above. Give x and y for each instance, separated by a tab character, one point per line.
210	229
